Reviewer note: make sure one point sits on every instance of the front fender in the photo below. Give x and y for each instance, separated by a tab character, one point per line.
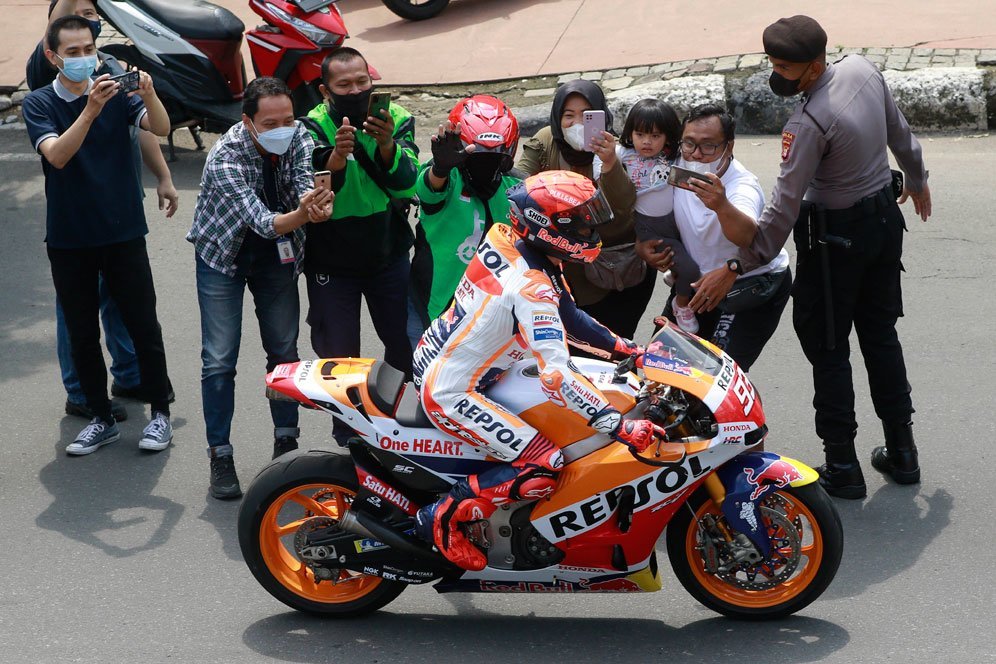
747	478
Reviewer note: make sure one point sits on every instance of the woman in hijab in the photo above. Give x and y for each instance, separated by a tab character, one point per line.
617	288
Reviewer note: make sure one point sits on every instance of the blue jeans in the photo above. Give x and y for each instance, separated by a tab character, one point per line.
274	290
124	364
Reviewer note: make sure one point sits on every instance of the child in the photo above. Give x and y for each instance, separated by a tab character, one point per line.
648	147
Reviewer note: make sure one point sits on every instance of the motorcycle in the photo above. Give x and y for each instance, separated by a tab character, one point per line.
415	10
750	534
193	50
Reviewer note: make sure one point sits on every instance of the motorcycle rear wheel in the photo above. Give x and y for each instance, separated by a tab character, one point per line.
416	11
820	542
282	496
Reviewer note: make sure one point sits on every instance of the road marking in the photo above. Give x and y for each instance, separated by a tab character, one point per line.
18	156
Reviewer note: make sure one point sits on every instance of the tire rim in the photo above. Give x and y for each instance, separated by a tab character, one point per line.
797	549
276	543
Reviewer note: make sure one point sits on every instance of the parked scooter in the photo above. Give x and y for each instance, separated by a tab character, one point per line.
416	10
193	50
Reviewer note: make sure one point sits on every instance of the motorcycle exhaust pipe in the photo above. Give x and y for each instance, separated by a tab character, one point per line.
366	526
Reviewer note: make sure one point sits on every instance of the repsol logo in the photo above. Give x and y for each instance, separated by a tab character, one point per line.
492	259
488	423
725	376
649	490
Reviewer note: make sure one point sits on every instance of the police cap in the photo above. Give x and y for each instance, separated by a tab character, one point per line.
795	39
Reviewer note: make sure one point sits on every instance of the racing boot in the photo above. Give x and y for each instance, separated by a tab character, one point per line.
898	457
443	523
841	475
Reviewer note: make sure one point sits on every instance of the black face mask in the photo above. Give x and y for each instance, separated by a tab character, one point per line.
483	173
352	106
784	87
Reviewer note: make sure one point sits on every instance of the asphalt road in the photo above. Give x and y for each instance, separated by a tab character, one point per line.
122	556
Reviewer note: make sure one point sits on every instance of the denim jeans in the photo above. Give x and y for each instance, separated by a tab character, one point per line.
274	289
124	364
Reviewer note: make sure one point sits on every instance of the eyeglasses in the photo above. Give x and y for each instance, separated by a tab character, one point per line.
707	149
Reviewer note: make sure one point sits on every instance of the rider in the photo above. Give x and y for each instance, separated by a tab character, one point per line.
513	299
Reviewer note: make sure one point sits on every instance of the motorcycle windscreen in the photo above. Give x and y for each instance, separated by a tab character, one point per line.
677	358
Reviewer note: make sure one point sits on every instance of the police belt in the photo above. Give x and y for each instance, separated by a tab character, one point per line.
868	206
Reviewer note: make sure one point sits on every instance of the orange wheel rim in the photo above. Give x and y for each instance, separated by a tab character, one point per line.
276	532
810	556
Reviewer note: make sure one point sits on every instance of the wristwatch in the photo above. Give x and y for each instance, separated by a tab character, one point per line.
734	265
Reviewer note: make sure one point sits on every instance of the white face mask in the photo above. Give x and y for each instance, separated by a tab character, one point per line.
711	167
574	135
275	141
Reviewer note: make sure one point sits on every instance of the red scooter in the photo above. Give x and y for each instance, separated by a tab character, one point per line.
193	50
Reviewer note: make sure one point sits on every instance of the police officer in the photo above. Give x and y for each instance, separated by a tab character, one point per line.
834	163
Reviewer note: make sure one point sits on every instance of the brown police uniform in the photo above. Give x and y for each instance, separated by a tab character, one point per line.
834	155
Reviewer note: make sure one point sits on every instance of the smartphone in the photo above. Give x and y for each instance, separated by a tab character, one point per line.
379	101
679	177
594	125
128	81
323	180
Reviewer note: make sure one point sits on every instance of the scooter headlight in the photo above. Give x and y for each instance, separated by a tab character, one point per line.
315	34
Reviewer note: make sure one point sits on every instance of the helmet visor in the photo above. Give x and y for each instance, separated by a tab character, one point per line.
593	212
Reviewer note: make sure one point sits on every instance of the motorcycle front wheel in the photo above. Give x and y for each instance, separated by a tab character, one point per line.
806	540
283	496
415	10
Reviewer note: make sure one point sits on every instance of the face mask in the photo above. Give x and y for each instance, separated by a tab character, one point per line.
574	135
352	106
783	87
703	167
78	69
94	28
483	173
277	140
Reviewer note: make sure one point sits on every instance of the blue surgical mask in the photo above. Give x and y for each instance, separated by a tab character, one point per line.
94	27
78	69
276	140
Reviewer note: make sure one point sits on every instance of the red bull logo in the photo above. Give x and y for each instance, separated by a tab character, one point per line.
780	473
619	585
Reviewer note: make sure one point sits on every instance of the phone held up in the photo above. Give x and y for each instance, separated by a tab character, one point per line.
379	101
679	177
594	125
128	81
323	180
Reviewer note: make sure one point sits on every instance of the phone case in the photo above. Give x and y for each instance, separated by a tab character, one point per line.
594	125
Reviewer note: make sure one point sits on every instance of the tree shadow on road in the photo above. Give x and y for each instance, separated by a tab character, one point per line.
105	499
886	534
384	636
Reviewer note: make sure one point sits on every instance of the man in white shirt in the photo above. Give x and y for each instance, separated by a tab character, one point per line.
710	217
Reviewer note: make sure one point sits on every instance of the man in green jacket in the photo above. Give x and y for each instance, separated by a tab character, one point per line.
363	250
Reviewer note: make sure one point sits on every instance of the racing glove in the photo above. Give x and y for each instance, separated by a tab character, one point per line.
638	434
448	152
624	348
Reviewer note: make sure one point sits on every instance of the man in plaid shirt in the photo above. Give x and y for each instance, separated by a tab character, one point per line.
256	196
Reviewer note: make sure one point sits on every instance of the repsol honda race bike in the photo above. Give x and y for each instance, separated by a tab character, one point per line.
750	534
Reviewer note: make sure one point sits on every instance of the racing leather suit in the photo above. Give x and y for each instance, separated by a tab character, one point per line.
512	300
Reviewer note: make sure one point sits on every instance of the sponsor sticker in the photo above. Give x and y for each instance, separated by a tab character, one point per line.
787	140
545	320
490	137
546	333
667	364
536	216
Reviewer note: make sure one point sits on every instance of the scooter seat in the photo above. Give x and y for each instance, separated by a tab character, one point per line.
194	19
410	412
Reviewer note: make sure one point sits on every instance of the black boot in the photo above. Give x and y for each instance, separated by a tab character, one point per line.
841	475
283	445
224	481
898	458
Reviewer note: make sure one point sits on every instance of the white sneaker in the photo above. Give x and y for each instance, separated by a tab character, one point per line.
669	278
686	318
158	434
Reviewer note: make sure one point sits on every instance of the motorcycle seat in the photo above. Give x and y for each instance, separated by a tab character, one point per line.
384	384
410	412
194	19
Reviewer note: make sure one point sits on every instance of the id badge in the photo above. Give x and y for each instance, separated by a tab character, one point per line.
285	250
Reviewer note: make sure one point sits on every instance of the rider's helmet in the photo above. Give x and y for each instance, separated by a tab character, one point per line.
557	212
488	124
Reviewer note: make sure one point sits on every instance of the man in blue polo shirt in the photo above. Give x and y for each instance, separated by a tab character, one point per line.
95	221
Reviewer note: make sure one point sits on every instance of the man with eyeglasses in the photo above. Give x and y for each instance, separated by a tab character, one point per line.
835	187
711	216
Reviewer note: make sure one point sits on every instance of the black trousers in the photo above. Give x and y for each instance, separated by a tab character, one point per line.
866	293
744	334
126	271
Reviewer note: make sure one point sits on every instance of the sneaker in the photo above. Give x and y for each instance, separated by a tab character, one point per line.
135	393
157	434
80	410
669	278
93	436
283	445
686	318
224	480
